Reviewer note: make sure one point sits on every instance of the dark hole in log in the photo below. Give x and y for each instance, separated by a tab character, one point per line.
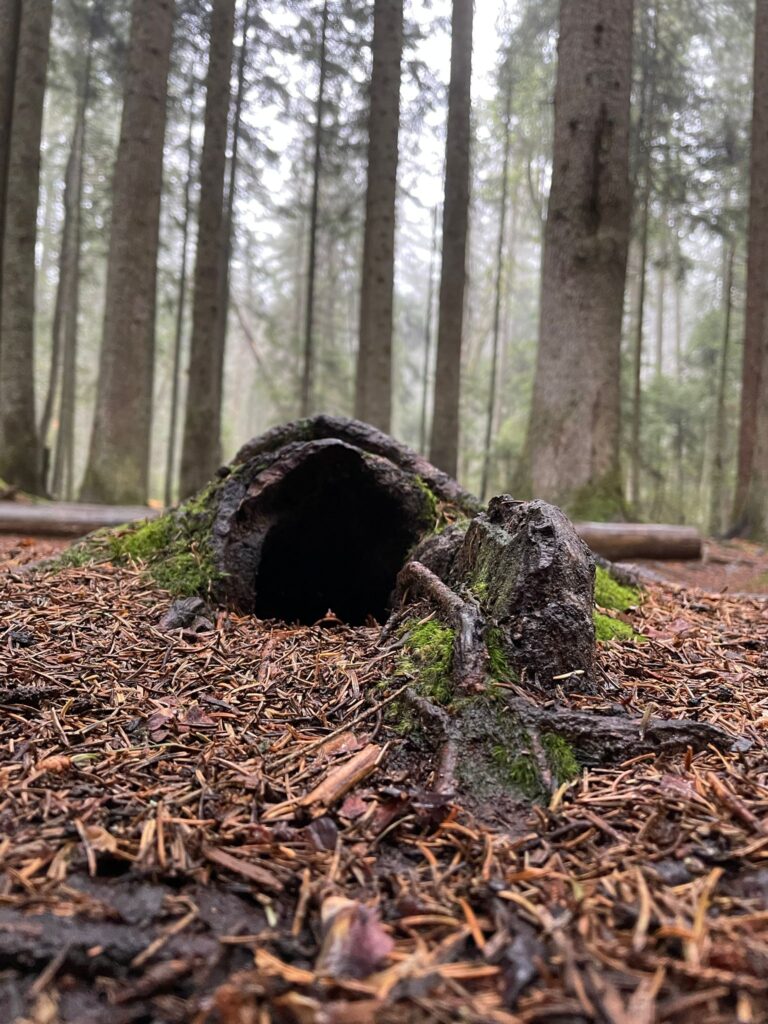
337	540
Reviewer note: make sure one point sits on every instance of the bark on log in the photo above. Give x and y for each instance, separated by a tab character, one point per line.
621	541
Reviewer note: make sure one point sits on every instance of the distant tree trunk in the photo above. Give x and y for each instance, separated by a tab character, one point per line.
307	372
202	421
64	346
178	335
647	113
64	332
749	514
716	520
428	332
373	390
637	355
661	283
118	460
10	17
492	385
574	429
229	216
444	443
20	456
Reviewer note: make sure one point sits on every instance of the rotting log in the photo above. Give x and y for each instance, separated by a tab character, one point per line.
622	541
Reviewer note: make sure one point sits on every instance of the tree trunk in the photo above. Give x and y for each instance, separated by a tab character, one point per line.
428	332
10	17
118	460
307	372
492	385
444	444
751	486
20	457
178	337
574	430
202	422
373	392
229	216
716	520
64	341
68	300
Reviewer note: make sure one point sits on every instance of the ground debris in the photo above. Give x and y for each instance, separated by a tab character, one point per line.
177	810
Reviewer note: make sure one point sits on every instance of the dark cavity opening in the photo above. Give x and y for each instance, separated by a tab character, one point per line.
339	537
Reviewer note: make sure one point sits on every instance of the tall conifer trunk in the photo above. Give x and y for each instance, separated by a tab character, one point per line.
20	453
10	16
306	385
202	422
373	394
573	434
444	442
118	459
749	514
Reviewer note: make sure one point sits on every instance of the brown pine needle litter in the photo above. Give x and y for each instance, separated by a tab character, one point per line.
188	820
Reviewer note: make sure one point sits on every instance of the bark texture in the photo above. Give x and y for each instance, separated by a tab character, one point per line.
573	437
750	515
20	455
202	423
444	443
118	459
373	395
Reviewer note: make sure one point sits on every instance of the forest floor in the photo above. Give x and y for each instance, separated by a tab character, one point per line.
221	826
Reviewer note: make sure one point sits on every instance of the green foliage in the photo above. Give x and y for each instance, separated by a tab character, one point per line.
609	593
607	629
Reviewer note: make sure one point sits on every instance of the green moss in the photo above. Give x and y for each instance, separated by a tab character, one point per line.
430	653
560	757
174	549
611	594
498	663
431	515
607	629
518	771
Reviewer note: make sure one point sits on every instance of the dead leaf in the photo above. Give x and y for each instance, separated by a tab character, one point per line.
355	942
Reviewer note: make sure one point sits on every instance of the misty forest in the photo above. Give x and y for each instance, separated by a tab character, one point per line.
383	511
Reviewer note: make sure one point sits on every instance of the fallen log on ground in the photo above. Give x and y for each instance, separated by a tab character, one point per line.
622	541
66	518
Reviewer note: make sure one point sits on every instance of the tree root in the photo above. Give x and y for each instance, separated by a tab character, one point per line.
610	739
470	656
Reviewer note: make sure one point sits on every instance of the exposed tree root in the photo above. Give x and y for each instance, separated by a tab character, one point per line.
470	656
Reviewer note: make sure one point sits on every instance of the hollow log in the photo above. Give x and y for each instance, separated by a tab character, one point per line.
622	541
